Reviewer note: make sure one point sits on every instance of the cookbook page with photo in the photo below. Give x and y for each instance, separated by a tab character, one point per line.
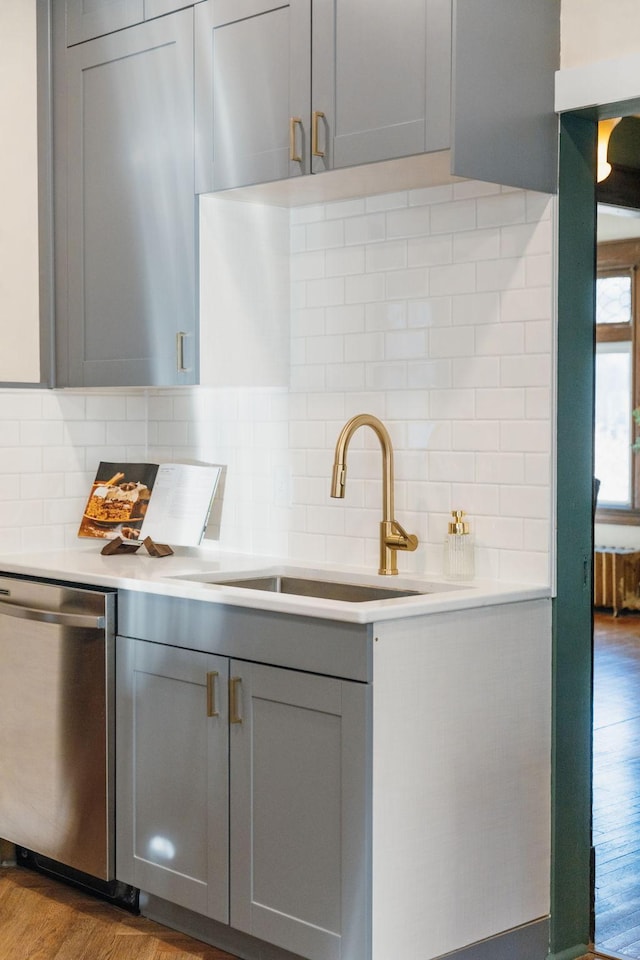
118	500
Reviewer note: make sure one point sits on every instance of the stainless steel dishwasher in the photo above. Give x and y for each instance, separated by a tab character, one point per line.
57	723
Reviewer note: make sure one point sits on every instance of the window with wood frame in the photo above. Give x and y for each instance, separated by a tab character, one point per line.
617	381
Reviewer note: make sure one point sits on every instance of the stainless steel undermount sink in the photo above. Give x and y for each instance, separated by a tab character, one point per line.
308	587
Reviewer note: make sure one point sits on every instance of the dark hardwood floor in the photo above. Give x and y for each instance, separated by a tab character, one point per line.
616	783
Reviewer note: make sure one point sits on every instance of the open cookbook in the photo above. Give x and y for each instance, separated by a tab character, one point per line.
168	502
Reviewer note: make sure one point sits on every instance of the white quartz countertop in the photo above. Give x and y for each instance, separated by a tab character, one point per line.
140	572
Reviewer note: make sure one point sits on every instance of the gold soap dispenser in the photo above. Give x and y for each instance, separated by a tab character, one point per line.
459	549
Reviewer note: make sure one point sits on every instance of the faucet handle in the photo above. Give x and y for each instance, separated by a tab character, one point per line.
401	540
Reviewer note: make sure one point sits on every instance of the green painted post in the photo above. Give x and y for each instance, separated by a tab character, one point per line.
571	885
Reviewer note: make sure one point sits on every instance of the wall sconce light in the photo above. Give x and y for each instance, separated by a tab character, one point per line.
605	128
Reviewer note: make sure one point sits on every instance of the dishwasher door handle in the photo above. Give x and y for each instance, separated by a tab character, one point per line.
52	616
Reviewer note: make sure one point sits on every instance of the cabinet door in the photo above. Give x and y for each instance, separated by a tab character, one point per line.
505	127
252	80
381	77
172	774
300	814
126	261
87	19
92	18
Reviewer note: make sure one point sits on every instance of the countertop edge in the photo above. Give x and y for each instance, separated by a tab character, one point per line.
138	572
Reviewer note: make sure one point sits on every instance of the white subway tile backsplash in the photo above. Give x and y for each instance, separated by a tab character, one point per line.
346	319
533	370
386	376
476	435
534	303
324	234
476	372
476	245
503	209
344	261
475	308
388	315
389	255
364	288
367	229
429	374
429	251
501	274
453	217
526	436
365	347
11	432
407	284
501	468
325	293
329	349
430	308
451	342
404	344
500	340
526	239
346	376
410	222
452	280
307	266
501	404
453	404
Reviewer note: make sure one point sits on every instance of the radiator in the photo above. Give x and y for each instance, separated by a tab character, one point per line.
616	578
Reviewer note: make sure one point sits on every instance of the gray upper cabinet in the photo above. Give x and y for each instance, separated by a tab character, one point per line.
87	19
126	223
283	90
505	129
382	89
253	64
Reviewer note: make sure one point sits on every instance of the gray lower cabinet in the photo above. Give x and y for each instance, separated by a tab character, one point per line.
219	756
126	208
342	83
172	774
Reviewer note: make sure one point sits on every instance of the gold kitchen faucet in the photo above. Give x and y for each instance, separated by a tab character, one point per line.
392	535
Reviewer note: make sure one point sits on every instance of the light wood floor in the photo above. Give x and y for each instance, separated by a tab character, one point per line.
616	783
41	919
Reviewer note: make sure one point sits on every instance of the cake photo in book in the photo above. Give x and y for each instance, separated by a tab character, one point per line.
167	502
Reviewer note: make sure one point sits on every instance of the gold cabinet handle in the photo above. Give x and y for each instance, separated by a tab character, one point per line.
293	123
180	366
211	694
316	117
234	716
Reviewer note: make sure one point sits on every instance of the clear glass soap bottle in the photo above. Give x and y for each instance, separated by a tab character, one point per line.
459	549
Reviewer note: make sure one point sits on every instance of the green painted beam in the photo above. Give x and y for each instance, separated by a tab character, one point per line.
571	887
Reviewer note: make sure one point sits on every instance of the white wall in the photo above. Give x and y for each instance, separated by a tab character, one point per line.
429	308
593	30
19	292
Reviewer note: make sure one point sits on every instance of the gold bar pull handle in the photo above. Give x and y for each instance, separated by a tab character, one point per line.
211	694
234	716
293	154
315	119
180	365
